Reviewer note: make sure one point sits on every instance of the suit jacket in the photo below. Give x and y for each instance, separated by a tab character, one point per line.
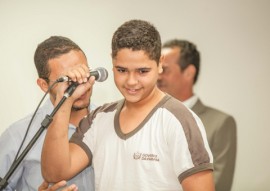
221	134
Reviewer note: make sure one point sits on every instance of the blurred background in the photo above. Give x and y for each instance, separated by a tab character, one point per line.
232	36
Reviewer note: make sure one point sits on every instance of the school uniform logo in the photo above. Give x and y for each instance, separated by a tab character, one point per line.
145	156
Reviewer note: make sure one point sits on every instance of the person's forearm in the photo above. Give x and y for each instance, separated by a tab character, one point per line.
55	160
202	181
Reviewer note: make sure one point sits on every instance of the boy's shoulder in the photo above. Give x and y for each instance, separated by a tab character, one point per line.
173	104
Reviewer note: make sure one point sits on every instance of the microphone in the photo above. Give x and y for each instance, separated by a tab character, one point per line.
100	73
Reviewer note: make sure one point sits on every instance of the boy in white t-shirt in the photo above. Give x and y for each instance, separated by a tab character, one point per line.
147	141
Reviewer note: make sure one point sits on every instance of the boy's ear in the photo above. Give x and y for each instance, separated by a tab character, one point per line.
42	84
161	60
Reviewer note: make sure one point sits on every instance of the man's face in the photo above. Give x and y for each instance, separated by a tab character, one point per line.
59	65
172	79
135	75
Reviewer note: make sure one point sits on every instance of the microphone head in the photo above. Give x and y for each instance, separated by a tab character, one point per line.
103	74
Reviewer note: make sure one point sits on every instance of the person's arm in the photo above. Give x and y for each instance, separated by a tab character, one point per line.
46	187
224	152
61	160
202	181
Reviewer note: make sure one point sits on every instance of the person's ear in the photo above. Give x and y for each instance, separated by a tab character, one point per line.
190	72
161	60
42	84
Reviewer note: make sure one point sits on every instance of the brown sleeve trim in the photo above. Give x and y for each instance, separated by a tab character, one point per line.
194	170
85	148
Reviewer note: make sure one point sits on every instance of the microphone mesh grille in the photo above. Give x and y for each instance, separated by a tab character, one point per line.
103	74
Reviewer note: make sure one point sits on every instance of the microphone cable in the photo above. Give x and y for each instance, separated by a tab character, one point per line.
32	118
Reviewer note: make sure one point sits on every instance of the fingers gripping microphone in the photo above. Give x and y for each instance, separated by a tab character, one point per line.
101	74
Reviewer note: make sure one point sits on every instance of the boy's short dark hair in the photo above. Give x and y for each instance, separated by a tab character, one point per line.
137	35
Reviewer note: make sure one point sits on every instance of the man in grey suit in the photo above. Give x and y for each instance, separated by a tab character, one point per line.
181	64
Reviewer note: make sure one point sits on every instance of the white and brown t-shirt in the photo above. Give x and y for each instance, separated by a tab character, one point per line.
168	146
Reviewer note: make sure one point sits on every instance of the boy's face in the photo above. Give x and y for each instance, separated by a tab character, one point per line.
135	75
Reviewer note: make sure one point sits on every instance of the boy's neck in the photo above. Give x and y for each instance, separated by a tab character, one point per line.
148	102
132	114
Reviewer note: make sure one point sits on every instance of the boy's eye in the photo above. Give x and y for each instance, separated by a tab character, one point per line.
143	70
121	70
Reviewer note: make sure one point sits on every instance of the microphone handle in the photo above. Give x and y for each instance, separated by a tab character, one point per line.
69	91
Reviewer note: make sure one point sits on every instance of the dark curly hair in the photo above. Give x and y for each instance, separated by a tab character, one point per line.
137	35
188	54
52	47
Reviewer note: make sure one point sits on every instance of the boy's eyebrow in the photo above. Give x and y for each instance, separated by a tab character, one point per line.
119	67
143	67
140	68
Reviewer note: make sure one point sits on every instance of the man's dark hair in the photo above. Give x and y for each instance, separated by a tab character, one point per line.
137	35
189	55
51	48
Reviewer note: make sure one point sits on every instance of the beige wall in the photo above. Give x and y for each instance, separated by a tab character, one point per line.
233	38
